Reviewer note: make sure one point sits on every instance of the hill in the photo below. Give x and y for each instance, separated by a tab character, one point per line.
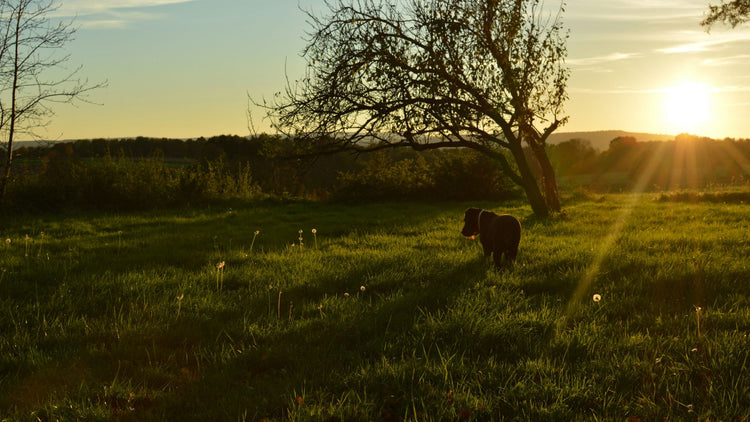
600	139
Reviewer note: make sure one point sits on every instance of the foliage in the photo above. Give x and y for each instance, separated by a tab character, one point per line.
184	172
168	172
734	12
436	175
66	181
394	316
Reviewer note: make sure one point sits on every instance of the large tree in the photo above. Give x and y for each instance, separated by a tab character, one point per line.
33	75
733	13
482	74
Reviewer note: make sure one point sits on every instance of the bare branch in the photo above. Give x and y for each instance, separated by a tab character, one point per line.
480	74
30	46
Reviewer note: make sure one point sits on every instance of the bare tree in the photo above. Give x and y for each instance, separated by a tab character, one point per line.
33	74
482	74
734	13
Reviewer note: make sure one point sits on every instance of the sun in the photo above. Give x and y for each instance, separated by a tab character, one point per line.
688	107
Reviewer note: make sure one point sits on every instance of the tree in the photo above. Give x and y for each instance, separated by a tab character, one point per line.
482	74
32	72
734	13
572	156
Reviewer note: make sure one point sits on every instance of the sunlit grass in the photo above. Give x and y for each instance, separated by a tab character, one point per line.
384	315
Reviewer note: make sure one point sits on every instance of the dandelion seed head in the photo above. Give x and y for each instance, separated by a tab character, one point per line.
346	294
314	231
7	241
597	297
257	232
300	232
362	288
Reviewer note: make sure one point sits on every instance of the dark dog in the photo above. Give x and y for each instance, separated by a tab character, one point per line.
499	234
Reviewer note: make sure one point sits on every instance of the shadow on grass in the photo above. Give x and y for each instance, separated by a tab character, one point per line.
208	365
324	355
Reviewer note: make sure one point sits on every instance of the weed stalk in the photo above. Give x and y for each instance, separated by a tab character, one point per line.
257	232
278	307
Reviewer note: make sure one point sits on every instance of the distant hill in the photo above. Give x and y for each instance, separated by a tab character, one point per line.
600	139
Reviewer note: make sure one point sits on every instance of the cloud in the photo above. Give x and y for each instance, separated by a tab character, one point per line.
659	90
726	61
615	91
597	60
638	11
89	7
713	42
112	13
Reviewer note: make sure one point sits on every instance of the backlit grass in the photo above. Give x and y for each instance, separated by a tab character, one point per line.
384	313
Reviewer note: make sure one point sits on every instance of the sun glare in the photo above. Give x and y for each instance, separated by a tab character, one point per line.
688	107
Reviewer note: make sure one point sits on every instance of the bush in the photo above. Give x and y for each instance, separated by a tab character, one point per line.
437	175
123	184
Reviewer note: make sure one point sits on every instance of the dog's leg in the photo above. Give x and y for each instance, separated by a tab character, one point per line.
511	254
498	258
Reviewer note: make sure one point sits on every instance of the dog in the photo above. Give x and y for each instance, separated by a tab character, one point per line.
499	234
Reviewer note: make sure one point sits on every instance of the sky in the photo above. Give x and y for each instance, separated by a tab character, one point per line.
185	68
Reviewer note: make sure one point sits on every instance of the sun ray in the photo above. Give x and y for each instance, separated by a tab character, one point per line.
592	272
685	172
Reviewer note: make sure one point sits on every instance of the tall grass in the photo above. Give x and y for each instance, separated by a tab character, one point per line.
394	316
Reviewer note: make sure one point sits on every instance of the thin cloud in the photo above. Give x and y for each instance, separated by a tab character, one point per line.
104	23
640	10
597	60
113	13
615	91
726	61
660	90
89	7
712	43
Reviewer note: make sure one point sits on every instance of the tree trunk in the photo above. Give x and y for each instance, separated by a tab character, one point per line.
6	175
529	184
14	98
549	179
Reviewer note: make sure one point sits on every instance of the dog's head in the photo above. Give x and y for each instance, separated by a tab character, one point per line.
471	222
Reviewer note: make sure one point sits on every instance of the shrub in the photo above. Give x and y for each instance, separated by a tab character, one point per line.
439	175
124	184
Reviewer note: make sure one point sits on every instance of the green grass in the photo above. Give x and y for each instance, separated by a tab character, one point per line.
394	316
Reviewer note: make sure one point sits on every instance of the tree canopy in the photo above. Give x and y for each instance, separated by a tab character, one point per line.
486	75
734	13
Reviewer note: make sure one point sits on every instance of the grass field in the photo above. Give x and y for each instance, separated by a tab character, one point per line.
386	313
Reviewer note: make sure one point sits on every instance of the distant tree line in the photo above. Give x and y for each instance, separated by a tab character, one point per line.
686	162
144	173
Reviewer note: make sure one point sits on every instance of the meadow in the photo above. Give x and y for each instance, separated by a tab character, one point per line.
631	308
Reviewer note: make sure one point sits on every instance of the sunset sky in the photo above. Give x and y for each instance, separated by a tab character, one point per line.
184	68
